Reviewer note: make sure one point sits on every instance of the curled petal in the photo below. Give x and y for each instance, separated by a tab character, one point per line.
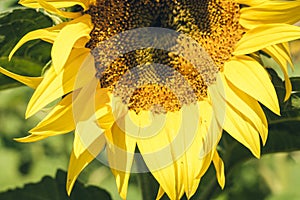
63	44
278	53
32	82
53	123
55	85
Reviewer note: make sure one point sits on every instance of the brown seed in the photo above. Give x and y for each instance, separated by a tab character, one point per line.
211	23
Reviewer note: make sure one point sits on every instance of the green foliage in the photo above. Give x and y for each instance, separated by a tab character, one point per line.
54	189
31	58
6	4
26	162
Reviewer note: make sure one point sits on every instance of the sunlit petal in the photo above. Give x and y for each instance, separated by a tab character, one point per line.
63	44
56	3
250	77
120	151
53	123
282	58
270	12
55	85
81	156
32	82
219	166
266	35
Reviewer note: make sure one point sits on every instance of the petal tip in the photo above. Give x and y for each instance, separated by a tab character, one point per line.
20	139
257	155
30	138
29	111
69	186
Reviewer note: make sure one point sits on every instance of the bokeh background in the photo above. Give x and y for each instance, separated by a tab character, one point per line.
273	177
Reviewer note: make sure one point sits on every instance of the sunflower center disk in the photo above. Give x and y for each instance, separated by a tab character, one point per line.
162	79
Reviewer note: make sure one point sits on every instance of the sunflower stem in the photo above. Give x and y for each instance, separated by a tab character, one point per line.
149	186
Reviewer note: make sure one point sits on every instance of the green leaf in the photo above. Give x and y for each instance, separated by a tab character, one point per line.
296	83
54	189
31	58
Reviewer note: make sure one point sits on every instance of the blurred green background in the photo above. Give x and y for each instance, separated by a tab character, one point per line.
273	177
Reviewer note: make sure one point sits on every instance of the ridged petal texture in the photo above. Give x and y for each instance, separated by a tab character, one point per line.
172	154
269	12
266	35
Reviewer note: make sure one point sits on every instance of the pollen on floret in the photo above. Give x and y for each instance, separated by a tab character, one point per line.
212	23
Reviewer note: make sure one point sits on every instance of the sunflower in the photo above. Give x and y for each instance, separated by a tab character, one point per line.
158	81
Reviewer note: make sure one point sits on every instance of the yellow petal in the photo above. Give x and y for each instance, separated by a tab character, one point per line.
89	137
250	2
172	152
81	42
44	34
63	44
31	138
54	122
32	82
256	56
105	121
250	77
280	56
50	34
270	12
89	113
51	8
92	104
212	122
120	151
219	166
286	48
242	130
55	85
248	106
191	140
235	123
266	35
193	166
79	161
206	163
160	193
164	167
56	3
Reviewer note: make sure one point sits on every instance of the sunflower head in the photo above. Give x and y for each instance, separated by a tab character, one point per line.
212	28
161	76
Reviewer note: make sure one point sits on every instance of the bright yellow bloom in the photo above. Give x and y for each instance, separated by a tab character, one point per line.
174	115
